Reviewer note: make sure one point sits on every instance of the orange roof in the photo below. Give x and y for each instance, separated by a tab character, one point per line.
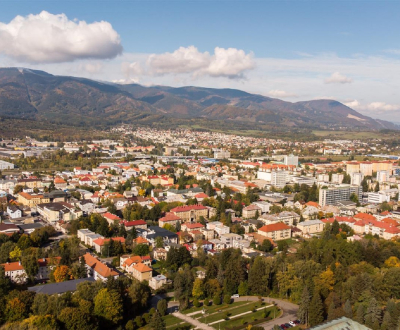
364	216
274	227
314	204
169	217
59	180
141	240
111	216
133	260
29	196
102	241
12	266
142	268
98	266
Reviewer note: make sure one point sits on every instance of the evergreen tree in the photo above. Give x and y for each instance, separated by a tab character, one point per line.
360	314
316	311
387	320
256	277
162	307
304	306
373	313
377	187
348	311
157	322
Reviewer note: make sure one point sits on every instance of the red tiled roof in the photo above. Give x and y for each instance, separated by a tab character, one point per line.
134	223
142	268
187	208
274	227
111	216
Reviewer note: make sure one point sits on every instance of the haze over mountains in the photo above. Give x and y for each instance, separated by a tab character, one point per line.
37	95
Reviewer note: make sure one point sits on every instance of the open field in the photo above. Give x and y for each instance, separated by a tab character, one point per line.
349	135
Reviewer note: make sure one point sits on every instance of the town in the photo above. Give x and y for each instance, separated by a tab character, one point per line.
180	229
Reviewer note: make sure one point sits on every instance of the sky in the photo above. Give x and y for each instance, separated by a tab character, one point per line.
293	50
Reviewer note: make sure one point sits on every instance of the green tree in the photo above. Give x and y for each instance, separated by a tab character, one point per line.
141	250
198	290
108	306
31	265
243	288
316	310
217	299
74	319
348	311
157	322
162	307
304	306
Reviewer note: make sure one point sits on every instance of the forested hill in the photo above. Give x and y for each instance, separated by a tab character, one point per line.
37	95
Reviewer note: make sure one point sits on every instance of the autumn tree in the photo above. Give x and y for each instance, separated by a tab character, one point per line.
62	273
108	306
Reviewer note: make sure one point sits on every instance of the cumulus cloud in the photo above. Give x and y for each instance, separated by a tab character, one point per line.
230	62
48	38
337	78
280	94
382	106
373	106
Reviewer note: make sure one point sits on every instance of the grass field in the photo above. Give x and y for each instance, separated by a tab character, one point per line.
348	135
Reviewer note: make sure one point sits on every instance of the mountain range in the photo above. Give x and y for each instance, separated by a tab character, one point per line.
40	96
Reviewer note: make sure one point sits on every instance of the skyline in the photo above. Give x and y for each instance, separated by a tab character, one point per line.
290	50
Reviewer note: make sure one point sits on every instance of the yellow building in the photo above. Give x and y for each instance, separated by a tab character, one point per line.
190	213
32	199
142	272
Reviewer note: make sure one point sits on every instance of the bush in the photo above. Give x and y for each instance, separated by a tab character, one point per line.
138	321
196	302
152	311
206	302
146	317
227	299
217	299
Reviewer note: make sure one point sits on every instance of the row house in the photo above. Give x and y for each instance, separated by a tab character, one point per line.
97	269
100	243
87	236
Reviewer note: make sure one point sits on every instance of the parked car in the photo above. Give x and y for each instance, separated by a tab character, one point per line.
235	296
288	325
283	326
292	323
296	321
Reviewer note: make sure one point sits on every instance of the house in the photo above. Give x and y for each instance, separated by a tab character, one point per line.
137	224
99	243
32	200
86	205
14	212
97	269
30	183
159	254
8	228
251	211
157	282
169	218
54	212
191	226
218	227
16	272
111	218
276	231
311	226
287	217
153	232
60	183
142	272
87	236
190	213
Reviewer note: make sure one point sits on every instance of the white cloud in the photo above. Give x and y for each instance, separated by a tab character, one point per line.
182	60
373	107
92	67
48	38
230	62
354	104
382	106
337	78
280	94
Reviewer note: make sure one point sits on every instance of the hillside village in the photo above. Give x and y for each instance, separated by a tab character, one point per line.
145	205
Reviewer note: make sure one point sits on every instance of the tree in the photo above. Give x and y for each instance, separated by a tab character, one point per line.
157	322
15	310
198	290
62	273
373	313
377	187
304	306
316	311
243	288
141	250
227	299
159	242
108	305
256	276
348	311
31	265
217	299
183	286
75	319
139	294
162	307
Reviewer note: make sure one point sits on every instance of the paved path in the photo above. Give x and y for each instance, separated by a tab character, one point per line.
245	313
192	321
289	313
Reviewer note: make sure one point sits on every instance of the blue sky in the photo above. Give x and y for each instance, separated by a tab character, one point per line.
295	50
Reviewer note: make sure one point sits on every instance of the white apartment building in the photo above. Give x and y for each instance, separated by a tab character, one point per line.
378	197
279	178
357	178
334	194
337	178
291	160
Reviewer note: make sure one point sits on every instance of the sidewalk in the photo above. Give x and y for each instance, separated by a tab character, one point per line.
192	321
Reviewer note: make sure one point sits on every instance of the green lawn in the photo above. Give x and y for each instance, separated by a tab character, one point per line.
232	311
213	308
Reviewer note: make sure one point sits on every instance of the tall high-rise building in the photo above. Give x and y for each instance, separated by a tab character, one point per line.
291	160
356	178
332	195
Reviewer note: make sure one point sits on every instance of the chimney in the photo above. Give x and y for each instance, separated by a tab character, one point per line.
19	262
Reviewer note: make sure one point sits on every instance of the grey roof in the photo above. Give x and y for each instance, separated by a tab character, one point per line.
28	226
342	323
62	287
158	231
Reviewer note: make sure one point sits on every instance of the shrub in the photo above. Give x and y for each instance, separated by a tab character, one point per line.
217	299
206	302
196	302
227	299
